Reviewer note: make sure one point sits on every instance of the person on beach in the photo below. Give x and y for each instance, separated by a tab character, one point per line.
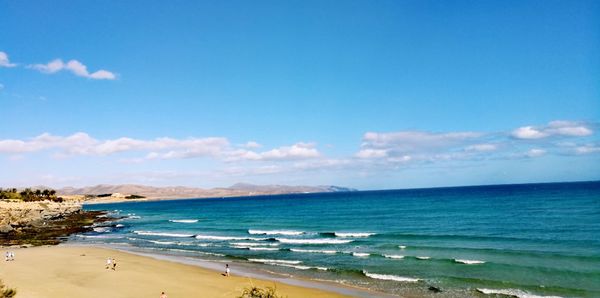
114	262
108	263
226	269
163	295
11	256
7	256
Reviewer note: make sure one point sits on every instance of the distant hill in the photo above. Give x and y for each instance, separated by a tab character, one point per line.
169	192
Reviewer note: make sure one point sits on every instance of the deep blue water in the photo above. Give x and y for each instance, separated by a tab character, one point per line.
531	239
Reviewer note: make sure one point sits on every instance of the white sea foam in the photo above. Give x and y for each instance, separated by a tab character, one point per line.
331	252
262	248
390	277
360	254
101	229
219	238
423	258
163	242
275	261
275	232
394	256
146	233
184	220
312	241
353	235
100	236
134	217
512	293
253	244
195	252
301	267
119	225
468	262
402	246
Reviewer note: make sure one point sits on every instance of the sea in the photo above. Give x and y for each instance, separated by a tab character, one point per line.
526	240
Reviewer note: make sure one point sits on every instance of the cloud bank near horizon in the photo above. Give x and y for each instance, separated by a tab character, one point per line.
561	137
377	153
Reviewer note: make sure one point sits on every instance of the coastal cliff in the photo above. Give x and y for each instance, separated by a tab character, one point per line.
43	222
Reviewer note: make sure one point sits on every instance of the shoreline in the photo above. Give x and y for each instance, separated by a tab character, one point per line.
69	270
245	271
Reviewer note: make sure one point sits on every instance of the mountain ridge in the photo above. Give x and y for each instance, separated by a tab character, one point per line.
238	189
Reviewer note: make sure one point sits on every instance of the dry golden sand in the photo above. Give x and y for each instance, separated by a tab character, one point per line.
73	271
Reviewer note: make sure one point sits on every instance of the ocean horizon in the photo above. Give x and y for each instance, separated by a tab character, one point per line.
525	240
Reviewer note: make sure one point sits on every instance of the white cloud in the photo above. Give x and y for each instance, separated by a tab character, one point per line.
371	153
74	66
415	141
482	147
405	146
554	128
4	61
82	144
535	152
296	151
160	148
587	149
252	145
284	153
528	132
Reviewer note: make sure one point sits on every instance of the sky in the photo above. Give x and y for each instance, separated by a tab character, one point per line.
364	94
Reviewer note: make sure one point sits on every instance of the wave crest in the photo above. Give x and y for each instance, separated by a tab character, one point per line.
394	256
469	262
390	277
275	232
312	241
331	252
512	293
179	235
183	220
353	235
275	261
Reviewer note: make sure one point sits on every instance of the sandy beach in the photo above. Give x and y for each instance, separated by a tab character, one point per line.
79	271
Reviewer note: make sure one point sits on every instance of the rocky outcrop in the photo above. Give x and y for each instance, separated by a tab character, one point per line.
41	223
17	215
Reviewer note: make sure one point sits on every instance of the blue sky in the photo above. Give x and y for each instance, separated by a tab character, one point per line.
368	94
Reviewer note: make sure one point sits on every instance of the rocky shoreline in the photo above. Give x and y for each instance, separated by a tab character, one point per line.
44	222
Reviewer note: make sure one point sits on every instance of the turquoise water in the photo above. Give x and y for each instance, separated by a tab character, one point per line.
522	240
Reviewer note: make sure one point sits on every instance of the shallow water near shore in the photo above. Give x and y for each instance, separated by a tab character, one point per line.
520	240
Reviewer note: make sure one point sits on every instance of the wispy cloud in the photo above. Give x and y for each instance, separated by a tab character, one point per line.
587	149
294	152
554	128
535	152
156	149
405	143
75	67
4	61
378	151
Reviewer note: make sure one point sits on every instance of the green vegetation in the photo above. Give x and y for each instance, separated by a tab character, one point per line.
6	292
256	292
29	195
134	197
104	195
